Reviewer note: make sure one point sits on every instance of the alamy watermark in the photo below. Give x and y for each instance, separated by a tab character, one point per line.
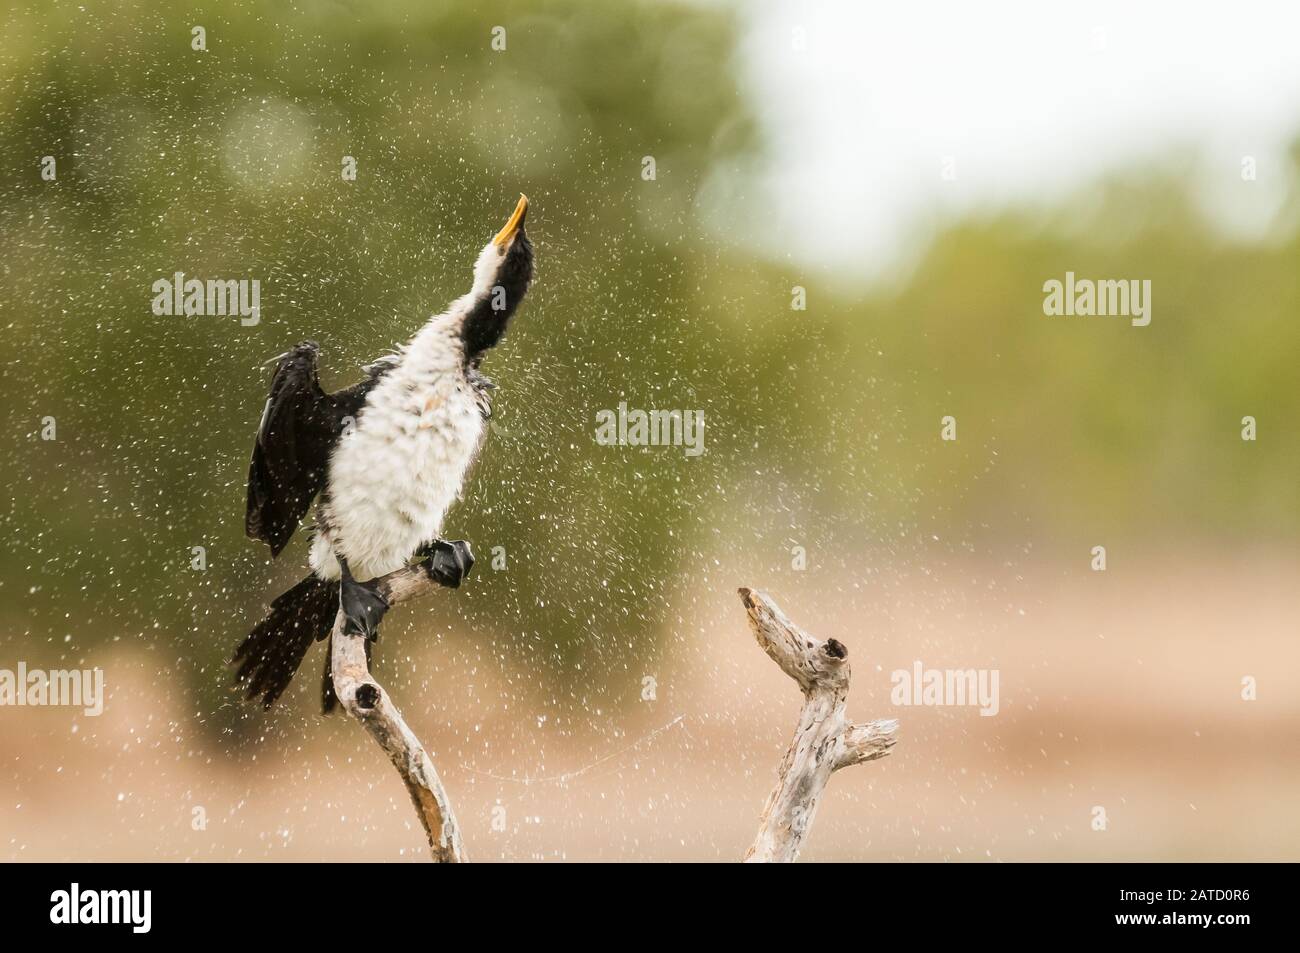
193	297
652	428
132	908
953	687
74	688
1085	298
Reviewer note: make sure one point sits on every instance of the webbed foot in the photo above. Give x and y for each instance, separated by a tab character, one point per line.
448	562
363	605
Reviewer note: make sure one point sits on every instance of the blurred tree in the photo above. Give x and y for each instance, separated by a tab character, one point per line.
228	163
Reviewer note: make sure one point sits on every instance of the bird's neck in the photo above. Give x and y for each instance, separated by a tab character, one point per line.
499	286
440	345
486	320
473	323
437	348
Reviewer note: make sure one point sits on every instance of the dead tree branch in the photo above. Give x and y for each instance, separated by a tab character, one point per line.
363	698
824	740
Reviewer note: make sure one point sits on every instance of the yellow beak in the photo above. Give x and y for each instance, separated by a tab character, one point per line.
516	222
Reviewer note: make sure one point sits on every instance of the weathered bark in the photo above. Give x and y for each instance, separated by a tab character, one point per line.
824	741
365	700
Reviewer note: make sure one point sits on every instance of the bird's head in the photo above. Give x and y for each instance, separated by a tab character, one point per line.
501	277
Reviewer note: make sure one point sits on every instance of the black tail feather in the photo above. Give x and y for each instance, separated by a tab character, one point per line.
271	654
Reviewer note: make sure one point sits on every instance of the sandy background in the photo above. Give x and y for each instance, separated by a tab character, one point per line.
1117	689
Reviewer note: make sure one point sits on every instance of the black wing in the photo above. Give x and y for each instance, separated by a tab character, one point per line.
300	426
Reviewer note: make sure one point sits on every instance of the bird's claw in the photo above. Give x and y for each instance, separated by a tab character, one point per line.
363	608
447	563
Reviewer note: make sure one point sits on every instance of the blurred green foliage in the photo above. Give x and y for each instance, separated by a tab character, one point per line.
821	424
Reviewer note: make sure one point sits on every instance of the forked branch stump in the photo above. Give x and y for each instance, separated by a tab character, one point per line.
824	740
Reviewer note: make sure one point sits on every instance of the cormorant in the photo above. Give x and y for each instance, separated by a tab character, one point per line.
387	458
